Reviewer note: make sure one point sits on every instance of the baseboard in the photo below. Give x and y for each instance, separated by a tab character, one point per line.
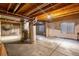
61	37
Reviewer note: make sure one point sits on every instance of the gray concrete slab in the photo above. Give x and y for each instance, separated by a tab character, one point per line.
45	47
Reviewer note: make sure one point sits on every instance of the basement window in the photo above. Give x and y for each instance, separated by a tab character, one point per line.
67	27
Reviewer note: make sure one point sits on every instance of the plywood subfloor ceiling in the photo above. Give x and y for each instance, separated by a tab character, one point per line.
40	10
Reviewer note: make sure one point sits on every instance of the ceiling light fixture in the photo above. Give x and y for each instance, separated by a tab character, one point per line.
49	17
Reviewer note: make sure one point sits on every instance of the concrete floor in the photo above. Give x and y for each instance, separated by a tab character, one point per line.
45	47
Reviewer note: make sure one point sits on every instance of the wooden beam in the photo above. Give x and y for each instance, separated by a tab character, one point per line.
46	9
9	6
17	6
9	21
38	8
2	12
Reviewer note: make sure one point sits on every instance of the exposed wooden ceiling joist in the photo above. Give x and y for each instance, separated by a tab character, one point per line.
24	7
62	11
75	10
33	10
9	6
67	9
41	6
46	9
17	6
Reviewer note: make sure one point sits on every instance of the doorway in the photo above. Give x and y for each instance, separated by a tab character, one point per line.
40	28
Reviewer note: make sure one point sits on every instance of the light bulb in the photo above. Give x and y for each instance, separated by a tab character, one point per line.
49	17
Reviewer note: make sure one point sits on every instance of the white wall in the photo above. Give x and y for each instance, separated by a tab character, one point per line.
54	30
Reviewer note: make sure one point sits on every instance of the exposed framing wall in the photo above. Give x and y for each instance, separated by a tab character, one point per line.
11	21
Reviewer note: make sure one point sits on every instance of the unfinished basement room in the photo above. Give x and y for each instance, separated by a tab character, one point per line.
39	29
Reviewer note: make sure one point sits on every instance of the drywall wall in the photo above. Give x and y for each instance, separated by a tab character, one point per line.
53	29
